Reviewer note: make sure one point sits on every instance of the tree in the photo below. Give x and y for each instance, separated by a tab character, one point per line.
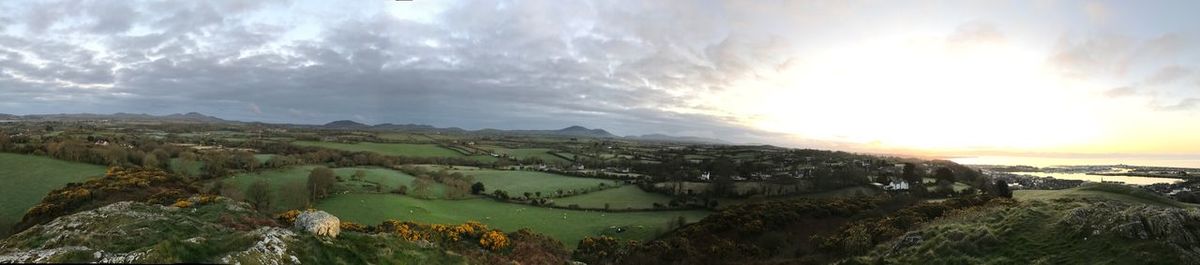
359	175
187	160
293	193
150	161
259	195
477	188
1002	189
320	181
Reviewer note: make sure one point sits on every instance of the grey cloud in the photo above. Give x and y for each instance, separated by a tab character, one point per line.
1168	74
1184	104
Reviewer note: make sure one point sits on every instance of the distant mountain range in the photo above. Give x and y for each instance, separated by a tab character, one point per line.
177	117
193	117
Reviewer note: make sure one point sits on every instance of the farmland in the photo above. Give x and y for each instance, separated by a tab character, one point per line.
624	197
36	176
414	150
568	226
525	153
519	182
392	149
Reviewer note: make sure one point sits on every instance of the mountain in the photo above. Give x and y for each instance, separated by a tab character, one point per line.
191	117
345	124
573	131
414	127
194	116
676	139
9	117
582	131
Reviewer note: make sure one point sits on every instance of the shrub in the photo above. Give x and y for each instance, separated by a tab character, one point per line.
494	240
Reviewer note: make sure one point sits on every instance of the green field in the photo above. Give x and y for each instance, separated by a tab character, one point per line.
568	226
518	182
625	197
523	153
411	150
414	150
28	178
281	178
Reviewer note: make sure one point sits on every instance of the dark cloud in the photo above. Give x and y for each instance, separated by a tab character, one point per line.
480	64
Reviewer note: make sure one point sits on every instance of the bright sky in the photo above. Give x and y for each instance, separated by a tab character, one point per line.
1067	78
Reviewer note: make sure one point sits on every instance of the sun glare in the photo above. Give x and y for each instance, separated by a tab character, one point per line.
922	93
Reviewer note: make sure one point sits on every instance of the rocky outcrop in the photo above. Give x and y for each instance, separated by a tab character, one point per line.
1174	225
1177	227
319	223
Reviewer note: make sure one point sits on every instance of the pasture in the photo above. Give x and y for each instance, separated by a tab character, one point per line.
518	182
524	153
26	180
624	197
285	181
410	150
568	226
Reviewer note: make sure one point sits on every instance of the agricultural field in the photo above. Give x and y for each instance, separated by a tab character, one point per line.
568	226
281	179
517	182
28	178
523	153
413	150
624	197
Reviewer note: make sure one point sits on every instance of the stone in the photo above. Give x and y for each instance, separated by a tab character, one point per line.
319	223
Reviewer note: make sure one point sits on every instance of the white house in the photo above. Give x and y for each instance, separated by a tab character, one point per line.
897	185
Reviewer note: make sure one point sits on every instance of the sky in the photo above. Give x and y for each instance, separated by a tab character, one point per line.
950	78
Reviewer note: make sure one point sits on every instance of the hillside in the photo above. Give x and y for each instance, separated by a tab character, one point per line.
1064	231
219	230
1109	226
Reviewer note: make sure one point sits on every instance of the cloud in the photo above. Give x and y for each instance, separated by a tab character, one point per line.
1169	74
975	32
1121	91
254	108
1184	104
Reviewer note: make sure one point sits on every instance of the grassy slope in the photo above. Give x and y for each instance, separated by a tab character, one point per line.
567	226
1021	234
1030	232
518	182
26	179
1100	191
628	196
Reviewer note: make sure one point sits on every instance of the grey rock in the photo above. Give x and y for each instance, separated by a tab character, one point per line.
319	223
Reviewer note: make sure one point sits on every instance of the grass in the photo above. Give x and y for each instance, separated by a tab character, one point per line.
413	150
281	178
628	196
1100	191
410	150
523	153
568	226
1027	233
28	178
518	182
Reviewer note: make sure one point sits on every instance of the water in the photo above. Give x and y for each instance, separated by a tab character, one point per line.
1188	161
1095	178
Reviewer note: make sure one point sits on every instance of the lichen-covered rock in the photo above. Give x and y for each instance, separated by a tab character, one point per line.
319	223
1173	225
217	231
